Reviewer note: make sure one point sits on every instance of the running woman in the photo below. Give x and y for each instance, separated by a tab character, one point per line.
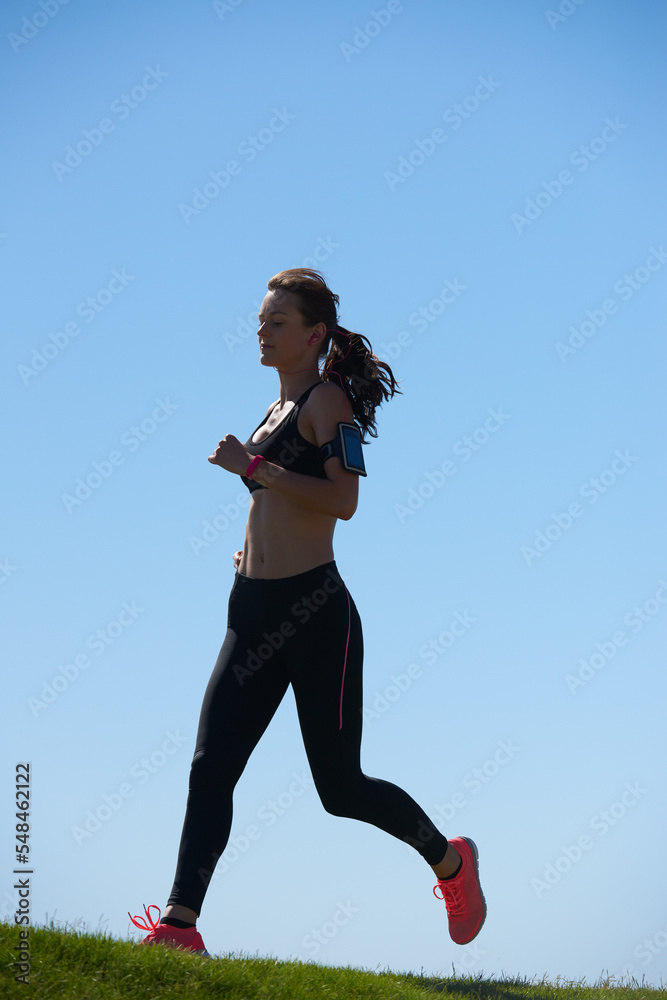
291	619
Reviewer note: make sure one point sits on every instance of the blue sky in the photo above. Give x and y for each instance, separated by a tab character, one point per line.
482	184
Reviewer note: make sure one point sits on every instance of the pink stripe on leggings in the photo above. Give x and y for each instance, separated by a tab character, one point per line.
349	618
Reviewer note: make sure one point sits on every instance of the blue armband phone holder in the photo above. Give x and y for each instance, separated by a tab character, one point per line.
347	447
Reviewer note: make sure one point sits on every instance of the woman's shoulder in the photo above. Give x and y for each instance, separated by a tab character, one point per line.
327	400
326	395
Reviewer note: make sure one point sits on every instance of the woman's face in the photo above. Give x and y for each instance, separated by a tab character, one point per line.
283	337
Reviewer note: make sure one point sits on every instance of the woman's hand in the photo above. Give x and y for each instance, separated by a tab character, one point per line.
237	559
231	455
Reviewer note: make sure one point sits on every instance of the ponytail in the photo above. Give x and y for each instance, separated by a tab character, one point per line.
349	360
366	381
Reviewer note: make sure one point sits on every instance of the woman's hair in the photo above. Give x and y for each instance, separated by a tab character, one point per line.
366	381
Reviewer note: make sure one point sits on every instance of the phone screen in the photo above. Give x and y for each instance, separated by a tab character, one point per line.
355	456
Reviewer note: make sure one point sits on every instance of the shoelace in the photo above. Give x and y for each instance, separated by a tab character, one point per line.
453	895
141	923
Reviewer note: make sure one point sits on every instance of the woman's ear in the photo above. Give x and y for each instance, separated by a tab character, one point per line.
319	334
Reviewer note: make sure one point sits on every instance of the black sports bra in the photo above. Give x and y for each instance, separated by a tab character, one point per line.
286	447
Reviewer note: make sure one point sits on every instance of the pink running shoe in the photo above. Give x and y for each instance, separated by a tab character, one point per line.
187	938
463	896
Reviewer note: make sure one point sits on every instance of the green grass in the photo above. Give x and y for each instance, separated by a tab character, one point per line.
68	964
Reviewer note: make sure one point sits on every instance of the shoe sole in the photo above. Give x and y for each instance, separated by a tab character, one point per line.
475	856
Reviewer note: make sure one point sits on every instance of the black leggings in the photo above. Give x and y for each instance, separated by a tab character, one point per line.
302	630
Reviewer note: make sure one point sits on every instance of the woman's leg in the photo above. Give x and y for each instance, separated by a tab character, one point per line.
238	705
325	669
326	673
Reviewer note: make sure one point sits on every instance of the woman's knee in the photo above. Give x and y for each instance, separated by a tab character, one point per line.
341	795
201	772
208	771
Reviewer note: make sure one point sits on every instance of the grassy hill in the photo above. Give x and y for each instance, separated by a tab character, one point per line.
88	966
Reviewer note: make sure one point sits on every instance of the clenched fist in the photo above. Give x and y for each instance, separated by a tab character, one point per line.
231	455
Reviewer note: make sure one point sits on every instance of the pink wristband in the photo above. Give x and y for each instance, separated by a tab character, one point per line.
253	465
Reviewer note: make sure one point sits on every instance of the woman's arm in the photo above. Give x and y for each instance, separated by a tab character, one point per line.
336	495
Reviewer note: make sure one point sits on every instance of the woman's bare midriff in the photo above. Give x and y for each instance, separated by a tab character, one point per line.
283	538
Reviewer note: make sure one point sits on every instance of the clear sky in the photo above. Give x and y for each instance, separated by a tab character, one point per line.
482	184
